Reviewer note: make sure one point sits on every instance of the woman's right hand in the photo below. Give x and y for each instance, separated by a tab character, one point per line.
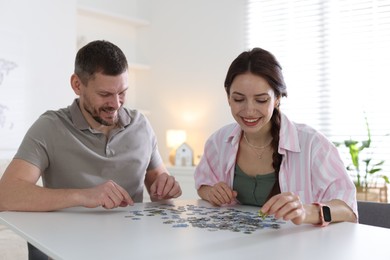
220	194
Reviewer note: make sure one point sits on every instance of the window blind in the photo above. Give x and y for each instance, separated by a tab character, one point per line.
336	60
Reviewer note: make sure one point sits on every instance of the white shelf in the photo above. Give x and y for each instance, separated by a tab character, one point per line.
85	10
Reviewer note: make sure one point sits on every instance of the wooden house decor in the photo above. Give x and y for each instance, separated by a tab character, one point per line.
184	155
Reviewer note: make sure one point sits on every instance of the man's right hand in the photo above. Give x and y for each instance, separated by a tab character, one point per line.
108	195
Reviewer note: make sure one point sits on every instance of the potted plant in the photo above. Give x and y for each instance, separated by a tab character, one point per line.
366	172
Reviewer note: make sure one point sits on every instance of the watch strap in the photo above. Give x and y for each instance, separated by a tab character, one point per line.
323	222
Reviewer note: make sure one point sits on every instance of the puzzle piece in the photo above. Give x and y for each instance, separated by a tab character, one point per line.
211	219
262	215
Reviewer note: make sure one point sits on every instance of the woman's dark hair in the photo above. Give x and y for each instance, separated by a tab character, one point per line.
262	63
99	56
259	62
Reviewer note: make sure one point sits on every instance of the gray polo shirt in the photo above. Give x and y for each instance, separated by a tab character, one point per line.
72	155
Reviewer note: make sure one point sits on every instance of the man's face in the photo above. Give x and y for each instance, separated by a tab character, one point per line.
101	99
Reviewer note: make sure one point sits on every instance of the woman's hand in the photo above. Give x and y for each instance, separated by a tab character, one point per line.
287	206
220	194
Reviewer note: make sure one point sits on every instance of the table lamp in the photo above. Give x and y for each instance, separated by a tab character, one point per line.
174	139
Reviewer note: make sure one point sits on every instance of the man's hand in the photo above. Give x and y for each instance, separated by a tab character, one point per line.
164	187
108	195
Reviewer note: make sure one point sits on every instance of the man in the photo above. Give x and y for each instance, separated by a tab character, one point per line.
94	152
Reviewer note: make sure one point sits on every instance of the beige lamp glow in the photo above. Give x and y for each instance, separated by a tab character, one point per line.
175	138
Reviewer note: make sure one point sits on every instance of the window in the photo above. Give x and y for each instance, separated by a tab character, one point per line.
336	63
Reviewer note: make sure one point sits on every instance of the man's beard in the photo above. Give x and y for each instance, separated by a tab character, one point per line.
97	118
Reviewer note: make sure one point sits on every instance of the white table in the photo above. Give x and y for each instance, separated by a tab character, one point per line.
80	233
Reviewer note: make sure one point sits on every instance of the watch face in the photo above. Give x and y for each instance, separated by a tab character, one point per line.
326	212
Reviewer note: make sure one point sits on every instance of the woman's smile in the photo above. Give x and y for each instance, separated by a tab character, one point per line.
250	121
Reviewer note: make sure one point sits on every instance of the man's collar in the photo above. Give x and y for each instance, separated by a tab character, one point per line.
77	116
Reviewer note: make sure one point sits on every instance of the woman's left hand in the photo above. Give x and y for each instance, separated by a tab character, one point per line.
287	206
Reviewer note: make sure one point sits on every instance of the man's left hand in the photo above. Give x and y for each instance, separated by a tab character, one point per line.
164	187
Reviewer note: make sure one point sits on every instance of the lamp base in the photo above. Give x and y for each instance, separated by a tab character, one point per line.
172	157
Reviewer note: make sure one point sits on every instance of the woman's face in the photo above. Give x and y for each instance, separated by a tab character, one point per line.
252	102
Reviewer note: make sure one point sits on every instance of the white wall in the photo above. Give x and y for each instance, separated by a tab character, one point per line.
39	36
189	46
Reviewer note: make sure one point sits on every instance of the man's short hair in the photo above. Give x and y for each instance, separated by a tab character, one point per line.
99	57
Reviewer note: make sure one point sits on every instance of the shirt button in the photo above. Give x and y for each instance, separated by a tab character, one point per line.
108	151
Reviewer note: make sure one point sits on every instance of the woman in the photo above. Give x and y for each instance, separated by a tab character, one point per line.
290	170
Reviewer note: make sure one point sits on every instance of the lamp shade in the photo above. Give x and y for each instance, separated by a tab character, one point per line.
175	137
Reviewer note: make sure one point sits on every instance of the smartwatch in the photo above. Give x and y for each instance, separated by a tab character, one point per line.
325	214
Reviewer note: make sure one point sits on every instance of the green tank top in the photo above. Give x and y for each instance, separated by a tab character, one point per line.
252	190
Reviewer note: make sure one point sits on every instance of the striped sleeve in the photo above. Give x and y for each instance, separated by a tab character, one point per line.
217	162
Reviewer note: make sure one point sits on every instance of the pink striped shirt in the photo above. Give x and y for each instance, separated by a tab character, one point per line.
311	165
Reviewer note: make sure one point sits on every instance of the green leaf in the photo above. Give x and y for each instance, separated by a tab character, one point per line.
337	144
367	161
349	143
374	170
379	163
365	144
